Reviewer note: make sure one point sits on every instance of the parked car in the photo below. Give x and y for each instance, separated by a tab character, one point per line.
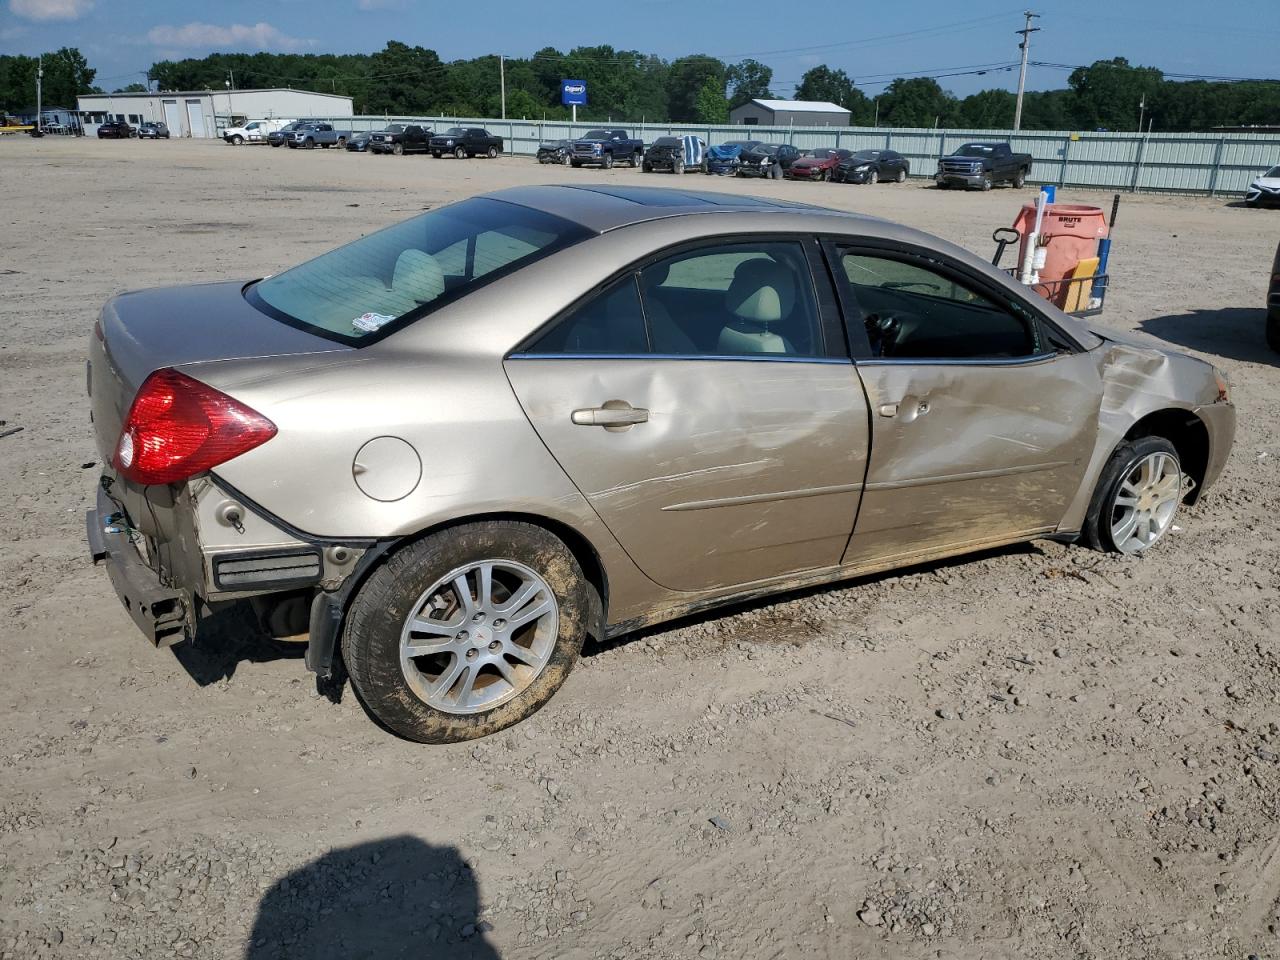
359	141
308	136
1264	191
723	158
1273	304
677	154
278	138
464	142
604	148
983	165
153	130
457	447
555	151
115	130
770	160
255	131
817	164
872	166
398	138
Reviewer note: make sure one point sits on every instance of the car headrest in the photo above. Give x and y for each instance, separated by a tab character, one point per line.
762	291
418	275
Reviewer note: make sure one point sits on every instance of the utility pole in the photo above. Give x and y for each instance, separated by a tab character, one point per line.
1025	47
39	92
1142	110
502	82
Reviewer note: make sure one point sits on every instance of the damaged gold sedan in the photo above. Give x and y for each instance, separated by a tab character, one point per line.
449	452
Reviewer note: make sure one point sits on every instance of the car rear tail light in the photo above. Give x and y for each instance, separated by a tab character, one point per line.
178	427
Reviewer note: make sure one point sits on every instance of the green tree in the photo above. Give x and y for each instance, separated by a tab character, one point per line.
988	108
1108	93
688	78
710	105
748	80
825	85
917	102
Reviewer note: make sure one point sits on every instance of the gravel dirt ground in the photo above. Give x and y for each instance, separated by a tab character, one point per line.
1035	752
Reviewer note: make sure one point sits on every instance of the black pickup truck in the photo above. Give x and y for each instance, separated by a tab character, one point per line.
983	165
463	142
400	138
605	148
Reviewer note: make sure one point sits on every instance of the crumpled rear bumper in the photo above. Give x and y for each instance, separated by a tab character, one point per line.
163	614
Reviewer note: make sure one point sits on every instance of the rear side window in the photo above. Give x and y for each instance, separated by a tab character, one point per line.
387	279
610	323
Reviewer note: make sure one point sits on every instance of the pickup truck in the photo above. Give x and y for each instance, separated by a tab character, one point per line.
465	142
255	131
983	165
400	138
311	135
605	147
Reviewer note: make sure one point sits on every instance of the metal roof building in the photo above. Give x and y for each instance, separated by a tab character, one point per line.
202	113
784	113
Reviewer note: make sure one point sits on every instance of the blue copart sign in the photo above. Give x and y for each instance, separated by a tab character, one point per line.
573	92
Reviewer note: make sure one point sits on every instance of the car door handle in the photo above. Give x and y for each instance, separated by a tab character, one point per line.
616	414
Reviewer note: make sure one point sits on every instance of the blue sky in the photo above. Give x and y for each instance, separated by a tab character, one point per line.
872	42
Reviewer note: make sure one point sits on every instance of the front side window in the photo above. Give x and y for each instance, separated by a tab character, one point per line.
912	310
396	275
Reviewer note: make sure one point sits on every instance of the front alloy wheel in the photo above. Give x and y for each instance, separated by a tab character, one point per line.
467	631
460	153
1137	497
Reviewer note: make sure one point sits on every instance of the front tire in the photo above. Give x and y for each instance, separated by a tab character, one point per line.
1137	497
873	176
607	161
460	153
397	149
237	140
429	644
987	183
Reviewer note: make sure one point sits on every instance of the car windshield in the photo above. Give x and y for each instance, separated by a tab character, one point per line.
975	150
742	144
597	135
393	128
865	155
667	142
394	276
822	154
455	132
768	149
1272	174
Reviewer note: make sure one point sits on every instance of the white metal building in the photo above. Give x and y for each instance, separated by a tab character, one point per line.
783	113
203	113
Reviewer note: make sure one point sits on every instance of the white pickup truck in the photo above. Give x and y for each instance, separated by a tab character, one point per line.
254	131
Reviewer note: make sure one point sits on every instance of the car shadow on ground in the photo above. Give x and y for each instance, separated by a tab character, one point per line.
396	897
783	629
227	637
1234	333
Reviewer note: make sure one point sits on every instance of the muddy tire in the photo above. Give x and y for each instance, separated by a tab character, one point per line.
1105	508
381	632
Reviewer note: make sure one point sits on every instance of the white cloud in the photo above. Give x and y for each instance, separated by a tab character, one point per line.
50	9
260	36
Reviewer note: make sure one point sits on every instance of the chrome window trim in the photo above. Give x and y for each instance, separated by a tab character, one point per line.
749	358
957	361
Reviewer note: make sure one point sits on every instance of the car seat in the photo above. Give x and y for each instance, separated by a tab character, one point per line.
763	292
417	277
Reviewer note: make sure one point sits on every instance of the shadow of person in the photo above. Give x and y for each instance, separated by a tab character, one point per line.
398	897
1234	333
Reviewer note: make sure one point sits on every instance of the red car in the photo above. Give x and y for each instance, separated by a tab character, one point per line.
817	164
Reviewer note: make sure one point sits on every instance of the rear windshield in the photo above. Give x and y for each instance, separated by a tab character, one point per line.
381	282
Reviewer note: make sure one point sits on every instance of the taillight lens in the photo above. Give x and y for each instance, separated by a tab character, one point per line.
178	427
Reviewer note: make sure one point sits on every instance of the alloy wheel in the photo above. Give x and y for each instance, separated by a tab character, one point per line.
478	636
1145	502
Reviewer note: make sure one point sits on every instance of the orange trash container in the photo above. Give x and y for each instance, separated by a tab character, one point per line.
1071	233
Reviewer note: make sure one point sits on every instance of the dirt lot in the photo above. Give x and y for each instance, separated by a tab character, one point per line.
1038	752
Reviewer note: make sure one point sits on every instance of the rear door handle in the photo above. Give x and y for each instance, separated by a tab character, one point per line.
612	415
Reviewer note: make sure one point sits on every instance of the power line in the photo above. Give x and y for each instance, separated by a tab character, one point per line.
1167	76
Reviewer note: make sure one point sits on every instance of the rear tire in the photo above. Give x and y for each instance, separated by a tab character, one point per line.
901	177
395	688
492	153
1019	180
1118	479
1273	330
635	160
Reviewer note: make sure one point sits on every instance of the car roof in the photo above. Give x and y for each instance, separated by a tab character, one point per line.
602	207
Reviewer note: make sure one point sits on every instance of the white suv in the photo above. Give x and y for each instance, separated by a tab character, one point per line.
255	131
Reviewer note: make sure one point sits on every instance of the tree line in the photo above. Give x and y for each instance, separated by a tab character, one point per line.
630	86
